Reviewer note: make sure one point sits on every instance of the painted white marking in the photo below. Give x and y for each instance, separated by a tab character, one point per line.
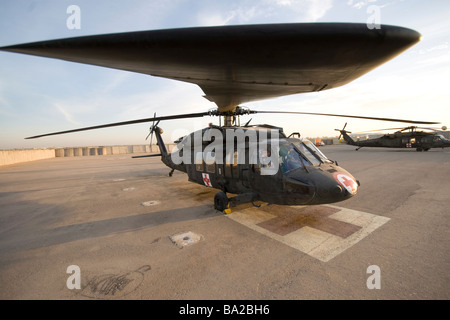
316	243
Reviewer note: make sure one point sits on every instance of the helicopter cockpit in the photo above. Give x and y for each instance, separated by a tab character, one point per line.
440	137
297	153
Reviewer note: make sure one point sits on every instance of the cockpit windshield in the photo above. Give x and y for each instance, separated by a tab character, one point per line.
291	158
295	153
310	149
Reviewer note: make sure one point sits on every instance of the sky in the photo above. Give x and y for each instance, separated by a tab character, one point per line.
40	95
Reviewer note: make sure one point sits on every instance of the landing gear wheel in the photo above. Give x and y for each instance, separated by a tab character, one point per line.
221	202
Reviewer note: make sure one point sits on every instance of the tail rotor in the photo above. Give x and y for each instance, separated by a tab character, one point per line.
152	129
342	131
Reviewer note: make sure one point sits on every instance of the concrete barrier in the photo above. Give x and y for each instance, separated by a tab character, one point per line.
59	152
16	156
77	152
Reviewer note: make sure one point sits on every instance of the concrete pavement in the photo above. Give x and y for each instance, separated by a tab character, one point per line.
135	233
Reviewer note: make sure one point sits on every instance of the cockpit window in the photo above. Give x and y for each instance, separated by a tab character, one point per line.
296	153
307	152
290	158
316	151
311	151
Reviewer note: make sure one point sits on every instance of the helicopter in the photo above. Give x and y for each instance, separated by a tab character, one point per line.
408	137
235	65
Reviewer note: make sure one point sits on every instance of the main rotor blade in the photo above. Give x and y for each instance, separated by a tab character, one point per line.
400	129
433	129
388	129
179	116
349	116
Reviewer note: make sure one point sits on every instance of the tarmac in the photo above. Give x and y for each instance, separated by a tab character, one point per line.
116	228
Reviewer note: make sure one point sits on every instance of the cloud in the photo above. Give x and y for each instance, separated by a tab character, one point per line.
219	16
439	60
359	4
216	18
317	9
267	11
66	114
308	10
439	47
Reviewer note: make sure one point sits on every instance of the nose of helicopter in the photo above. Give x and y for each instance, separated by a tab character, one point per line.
335	187
323	186
347	185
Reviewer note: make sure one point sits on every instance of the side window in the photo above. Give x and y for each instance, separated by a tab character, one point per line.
210	162
199	161
231	165
235	164
263	159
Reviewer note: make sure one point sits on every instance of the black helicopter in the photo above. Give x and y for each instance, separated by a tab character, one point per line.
238	64
408	137
260	163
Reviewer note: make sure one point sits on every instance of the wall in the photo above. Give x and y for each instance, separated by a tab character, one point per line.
17	156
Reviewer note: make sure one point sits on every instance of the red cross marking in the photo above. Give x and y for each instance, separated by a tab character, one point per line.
206	180
347	182
290	219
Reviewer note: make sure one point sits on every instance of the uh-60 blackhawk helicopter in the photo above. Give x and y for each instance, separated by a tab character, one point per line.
238	64
410	137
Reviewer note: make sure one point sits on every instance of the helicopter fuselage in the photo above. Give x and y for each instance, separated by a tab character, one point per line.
419	140
260	163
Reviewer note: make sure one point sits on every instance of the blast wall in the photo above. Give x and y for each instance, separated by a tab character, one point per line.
16	156
24	155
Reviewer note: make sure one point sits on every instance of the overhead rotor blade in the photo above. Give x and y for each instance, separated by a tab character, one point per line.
401	129
349	116
210	113
443	128
380	130
273	60
179	116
